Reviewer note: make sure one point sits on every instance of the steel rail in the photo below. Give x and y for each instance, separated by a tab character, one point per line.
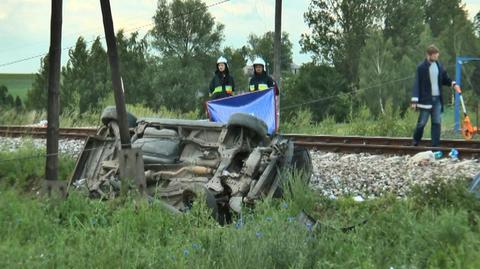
41	132
346	144
383	145
380	140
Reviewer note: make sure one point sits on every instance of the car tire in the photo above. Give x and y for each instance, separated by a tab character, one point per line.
110	113
302	161
248	121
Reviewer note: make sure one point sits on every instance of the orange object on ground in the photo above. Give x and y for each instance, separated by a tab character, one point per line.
467	129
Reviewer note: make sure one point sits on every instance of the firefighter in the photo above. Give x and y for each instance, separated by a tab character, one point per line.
260	80
222	84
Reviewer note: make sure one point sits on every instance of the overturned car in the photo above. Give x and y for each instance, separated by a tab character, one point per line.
230	164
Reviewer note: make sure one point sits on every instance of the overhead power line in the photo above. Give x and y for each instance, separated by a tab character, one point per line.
102	37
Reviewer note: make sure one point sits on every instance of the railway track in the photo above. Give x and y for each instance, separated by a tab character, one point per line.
383	145
346	144
41	132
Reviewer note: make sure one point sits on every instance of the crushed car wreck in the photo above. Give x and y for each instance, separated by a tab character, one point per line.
231	165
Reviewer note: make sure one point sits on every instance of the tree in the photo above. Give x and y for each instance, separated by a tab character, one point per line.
317	87
18	103
9	101
449	23
441	14
263	46
85	77
339	31
185	29
6	99
476	23
178	87
74	74
403	24
188	40
382	77
97	78
236	63
37	95
3	94
133	55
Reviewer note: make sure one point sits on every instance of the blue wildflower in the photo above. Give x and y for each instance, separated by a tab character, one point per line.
284	205
268	218
239	223
258	234
309	227
186	252
196	246
291	219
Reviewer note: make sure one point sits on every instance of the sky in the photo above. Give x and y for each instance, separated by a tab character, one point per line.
25	25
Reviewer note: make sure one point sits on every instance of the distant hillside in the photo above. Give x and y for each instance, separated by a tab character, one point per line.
17	84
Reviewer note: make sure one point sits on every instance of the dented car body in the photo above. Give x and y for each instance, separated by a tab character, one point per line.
231	165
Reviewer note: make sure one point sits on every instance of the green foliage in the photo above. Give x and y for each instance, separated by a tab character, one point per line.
7	101
321	89
86	78
236	62
188	40
404	22
421	231
388	123
178	86
339	31
185	29
441	14
37	95
476	24
449	23
379	73
18	103
24	169
263	46
134	67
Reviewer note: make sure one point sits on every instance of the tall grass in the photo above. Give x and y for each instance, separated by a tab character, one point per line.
24	169
363	123
72	118
436	227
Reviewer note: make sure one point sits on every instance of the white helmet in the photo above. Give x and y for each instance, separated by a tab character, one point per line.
222	60
259	61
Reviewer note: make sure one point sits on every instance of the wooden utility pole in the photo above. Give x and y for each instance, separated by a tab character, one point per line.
130	159
277	45
116	77
53	106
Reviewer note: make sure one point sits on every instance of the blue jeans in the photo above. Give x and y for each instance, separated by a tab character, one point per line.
436	113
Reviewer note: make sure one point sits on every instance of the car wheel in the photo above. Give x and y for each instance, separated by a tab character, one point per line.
248	121
302	161
110	113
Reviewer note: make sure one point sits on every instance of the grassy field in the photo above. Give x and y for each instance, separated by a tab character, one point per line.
363	124
437	229
17	84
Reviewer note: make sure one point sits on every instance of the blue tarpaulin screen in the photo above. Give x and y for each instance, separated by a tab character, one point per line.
260	104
